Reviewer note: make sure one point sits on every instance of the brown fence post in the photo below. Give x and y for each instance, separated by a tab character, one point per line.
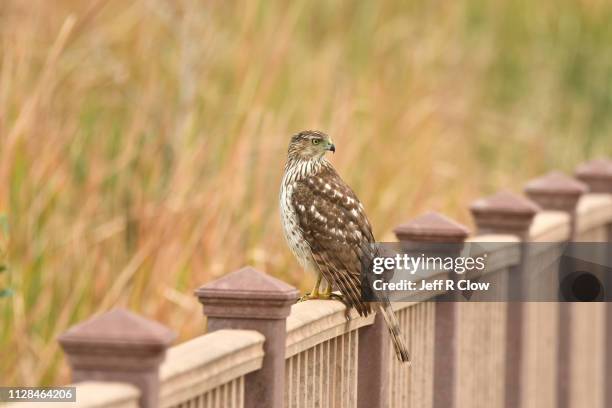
507	213
597	174
504	213
373	369
252	300
427	229
119	346
558	192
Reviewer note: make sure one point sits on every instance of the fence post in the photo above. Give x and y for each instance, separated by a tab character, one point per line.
433	228
507	213
597	174
119	346
558	192
252	300
373	365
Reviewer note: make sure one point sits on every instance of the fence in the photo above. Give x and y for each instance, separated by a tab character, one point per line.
263	350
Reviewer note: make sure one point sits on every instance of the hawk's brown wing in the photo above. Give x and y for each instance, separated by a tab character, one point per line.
336	228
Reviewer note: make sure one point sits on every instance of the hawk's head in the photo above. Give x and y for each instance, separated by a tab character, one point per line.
309	145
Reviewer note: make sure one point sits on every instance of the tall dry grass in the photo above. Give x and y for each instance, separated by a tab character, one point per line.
142	143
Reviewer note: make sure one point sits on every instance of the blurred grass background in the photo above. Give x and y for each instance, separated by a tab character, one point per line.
142	143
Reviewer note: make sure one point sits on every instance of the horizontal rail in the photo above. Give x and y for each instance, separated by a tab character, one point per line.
550	226
503	251
316	321
199	365
594	210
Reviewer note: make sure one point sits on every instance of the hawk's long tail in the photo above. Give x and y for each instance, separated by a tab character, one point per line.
401	350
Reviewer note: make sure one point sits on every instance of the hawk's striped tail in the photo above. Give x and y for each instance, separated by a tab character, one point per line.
401	350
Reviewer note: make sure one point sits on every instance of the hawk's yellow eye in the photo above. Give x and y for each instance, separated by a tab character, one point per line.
316	141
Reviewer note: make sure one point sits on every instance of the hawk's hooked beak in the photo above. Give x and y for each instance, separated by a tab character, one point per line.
331	148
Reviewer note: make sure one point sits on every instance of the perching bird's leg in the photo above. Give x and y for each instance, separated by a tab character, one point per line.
315	291
328	294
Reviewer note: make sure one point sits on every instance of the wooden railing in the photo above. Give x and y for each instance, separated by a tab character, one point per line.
262	350
209	371
321	355
412	386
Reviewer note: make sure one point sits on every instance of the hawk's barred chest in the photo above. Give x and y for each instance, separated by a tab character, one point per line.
318	209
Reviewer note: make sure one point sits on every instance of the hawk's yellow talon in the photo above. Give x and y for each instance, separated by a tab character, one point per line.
308	296
327	294
315	291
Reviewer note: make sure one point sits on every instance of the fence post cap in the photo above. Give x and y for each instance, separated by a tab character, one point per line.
432	227
597	168
504	202
247	293
556	183
504	212
118	338
556	191
597	174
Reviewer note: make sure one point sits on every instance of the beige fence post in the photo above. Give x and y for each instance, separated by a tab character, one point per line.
432	228
252	300
597	174
507	213
119	346
558	192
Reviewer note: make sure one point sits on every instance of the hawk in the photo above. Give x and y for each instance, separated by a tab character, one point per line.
327	229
